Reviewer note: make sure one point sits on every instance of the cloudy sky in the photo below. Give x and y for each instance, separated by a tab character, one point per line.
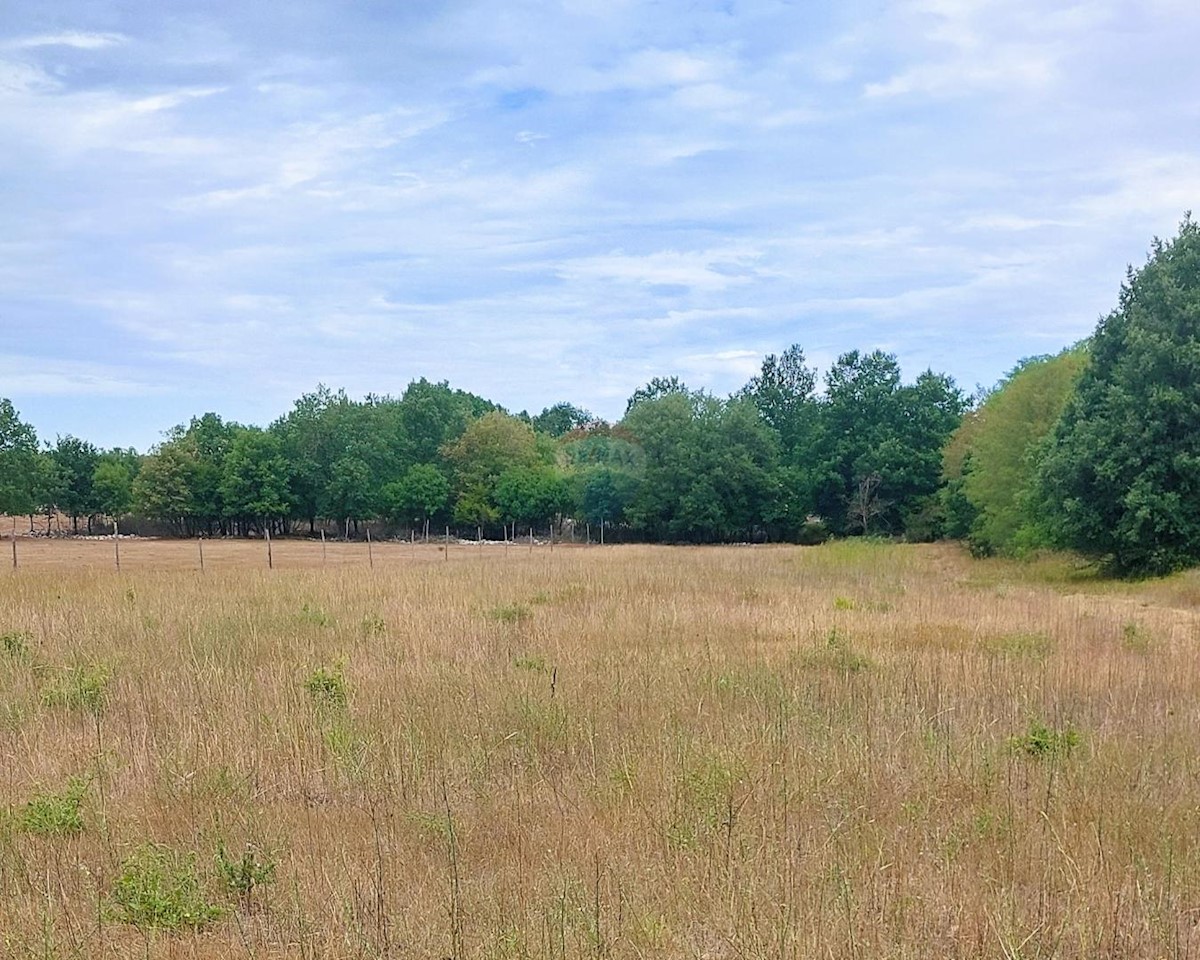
219	204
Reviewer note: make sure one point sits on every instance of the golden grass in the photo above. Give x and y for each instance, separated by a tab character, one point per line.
857	750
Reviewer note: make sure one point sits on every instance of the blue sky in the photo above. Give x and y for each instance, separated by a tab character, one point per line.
217	205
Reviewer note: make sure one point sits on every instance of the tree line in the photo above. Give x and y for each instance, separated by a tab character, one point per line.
1096	449
778	460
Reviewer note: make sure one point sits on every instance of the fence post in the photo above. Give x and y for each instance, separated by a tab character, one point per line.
446	550
370	552
200	546
117	544
270	558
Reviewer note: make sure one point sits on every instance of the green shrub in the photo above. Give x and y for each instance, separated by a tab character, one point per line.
15	644
241	876
373	626
1136	638
509	613
55	814
836	654
315	615
79	688
1041	741
327	686
531	662
159	888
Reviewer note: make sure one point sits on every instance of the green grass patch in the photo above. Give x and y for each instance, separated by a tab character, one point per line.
55	814
160	888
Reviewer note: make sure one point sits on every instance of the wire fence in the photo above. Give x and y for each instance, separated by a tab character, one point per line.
145	553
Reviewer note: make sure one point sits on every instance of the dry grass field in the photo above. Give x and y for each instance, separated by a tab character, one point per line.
854	751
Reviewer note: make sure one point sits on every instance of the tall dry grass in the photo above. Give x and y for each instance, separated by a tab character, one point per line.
856	751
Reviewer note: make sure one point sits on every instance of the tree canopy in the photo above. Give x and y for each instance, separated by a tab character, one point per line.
1120	476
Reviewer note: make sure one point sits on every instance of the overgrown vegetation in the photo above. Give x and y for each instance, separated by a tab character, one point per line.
778	752
159	887
54	814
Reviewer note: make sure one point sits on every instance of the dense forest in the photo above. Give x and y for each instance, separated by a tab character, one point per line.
1096	449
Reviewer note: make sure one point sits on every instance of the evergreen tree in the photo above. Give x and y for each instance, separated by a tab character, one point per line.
1120	478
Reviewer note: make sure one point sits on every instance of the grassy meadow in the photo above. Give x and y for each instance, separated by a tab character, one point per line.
858	751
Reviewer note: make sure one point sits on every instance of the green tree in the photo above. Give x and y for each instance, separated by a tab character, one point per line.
605	493
1120	477
421	494
204	444
435	415
112	483
491	445
561	419
990	460
658	387
162	490
532	495
310	442
254	481
21	473
75	464
710	469
876	460
349	494
783	392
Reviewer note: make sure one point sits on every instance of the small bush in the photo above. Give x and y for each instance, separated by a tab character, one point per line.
327	686
373	626
836	654
531	662
1041	741
79	688
16	644
843	603
241	876
511	613
345	745
55	814
159	888
315	615
1136	638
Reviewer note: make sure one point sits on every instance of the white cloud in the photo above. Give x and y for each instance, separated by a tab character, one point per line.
709	270
35	376
592	192
24	79
71	38
961	47
720	366
1157	188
